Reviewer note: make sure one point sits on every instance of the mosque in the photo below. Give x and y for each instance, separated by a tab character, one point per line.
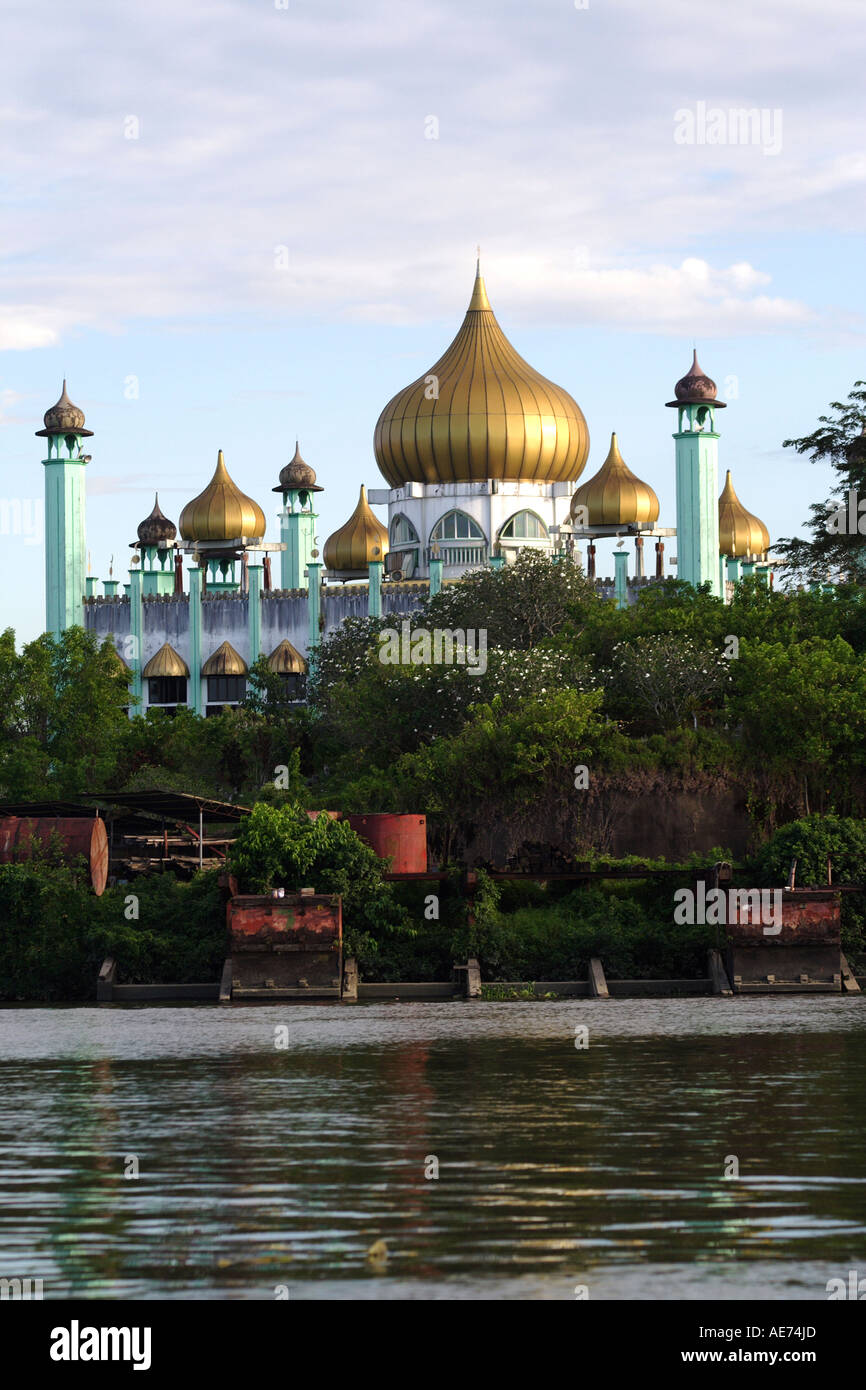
482	457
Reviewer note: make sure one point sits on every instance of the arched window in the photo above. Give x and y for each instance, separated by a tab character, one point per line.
403	532
456	526
524	526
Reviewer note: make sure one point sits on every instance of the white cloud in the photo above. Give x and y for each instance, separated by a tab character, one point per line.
305	128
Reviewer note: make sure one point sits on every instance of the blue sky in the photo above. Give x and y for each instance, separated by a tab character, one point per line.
236	210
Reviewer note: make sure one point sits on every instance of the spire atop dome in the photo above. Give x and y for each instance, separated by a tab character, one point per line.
479	298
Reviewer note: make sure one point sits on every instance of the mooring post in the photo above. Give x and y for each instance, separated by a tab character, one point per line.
597	983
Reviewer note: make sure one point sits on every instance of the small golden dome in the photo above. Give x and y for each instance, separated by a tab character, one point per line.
362	539
225	661
286	660
615	497
165	663
481	412
740	532
222	512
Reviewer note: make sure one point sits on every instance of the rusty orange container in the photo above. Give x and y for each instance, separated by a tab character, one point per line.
78	835
400	838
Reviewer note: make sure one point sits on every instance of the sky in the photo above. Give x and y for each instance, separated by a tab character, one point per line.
234	223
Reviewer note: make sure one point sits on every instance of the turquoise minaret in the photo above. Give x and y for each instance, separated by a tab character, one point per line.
697	462
65	560
297	520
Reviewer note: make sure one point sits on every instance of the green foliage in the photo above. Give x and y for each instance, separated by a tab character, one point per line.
62	718
840	440
557	941
519	605
54	934
811	842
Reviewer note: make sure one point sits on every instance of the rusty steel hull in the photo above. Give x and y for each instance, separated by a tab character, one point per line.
803	956
84	836
288	947
400	838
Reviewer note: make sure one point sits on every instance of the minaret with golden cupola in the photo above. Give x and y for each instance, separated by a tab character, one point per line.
298	487
65	544
697	476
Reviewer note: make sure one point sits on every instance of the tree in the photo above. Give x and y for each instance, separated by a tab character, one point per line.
802	711
835	547
518	605
63	717
662	680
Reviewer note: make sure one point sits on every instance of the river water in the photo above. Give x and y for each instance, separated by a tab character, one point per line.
284	1151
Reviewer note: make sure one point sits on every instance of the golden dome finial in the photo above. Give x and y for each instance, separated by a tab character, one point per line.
741	533
479	298
615	496
222	512
481	412
363	538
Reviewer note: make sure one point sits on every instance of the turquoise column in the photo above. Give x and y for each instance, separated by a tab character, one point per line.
435	574
109	587
297	535
374	588
90	586
697	480
254	598
65	567
748	568
136	623
620	581
733	571
195	677
314	609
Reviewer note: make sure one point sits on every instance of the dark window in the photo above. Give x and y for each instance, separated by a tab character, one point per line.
167	690
227	690
294	683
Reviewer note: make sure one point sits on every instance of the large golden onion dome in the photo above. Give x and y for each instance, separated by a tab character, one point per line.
740	532
614	496
362	539
481	412
222	512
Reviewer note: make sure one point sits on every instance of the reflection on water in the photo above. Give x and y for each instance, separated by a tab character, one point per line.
263	1167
